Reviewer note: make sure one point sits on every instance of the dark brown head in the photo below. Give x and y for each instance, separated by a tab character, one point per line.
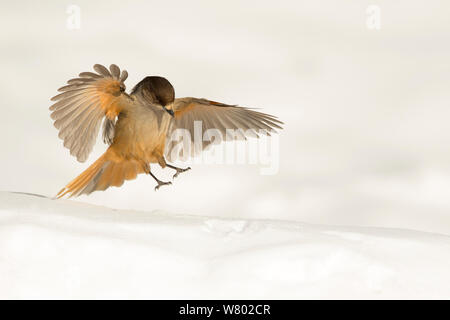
156	90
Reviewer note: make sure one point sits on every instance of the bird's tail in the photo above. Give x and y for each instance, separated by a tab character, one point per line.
105	172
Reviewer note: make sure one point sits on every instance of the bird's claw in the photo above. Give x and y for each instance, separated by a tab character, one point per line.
180	170
161	183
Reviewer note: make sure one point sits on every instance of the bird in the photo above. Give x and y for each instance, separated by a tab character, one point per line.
137	126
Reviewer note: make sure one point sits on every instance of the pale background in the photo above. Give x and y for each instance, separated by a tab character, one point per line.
366	112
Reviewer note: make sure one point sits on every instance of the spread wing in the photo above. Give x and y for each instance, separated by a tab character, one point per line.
214	115
82	105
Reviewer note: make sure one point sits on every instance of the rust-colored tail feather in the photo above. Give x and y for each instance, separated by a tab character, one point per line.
102	174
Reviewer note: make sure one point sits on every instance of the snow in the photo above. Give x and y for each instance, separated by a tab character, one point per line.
68	249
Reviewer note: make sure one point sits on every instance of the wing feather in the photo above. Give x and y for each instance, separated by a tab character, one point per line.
124	75
108	130
82	104
115	71
89	75
102	70
214	115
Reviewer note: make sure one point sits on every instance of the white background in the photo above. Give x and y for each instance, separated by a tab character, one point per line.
366	112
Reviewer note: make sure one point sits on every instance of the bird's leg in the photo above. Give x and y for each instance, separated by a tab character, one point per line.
160	183
179	170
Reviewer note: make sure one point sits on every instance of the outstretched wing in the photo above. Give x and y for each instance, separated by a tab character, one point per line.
84	102
222	117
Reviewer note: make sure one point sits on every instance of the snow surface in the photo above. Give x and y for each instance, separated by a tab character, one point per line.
67	249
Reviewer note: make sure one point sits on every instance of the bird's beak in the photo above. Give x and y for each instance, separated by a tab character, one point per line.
169	111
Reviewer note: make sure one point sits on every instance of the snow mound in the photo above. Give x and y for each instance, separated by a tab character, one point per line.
66	249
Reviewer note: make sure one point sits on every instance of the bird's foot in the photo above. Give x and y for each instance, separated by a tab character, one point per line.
180	170
161	183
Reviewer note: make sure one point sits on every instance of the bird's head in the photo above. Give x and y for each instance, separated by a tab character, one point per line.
157	90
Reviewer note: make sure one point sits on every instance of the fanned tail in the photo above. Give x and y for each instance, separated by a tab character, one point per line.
103	173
